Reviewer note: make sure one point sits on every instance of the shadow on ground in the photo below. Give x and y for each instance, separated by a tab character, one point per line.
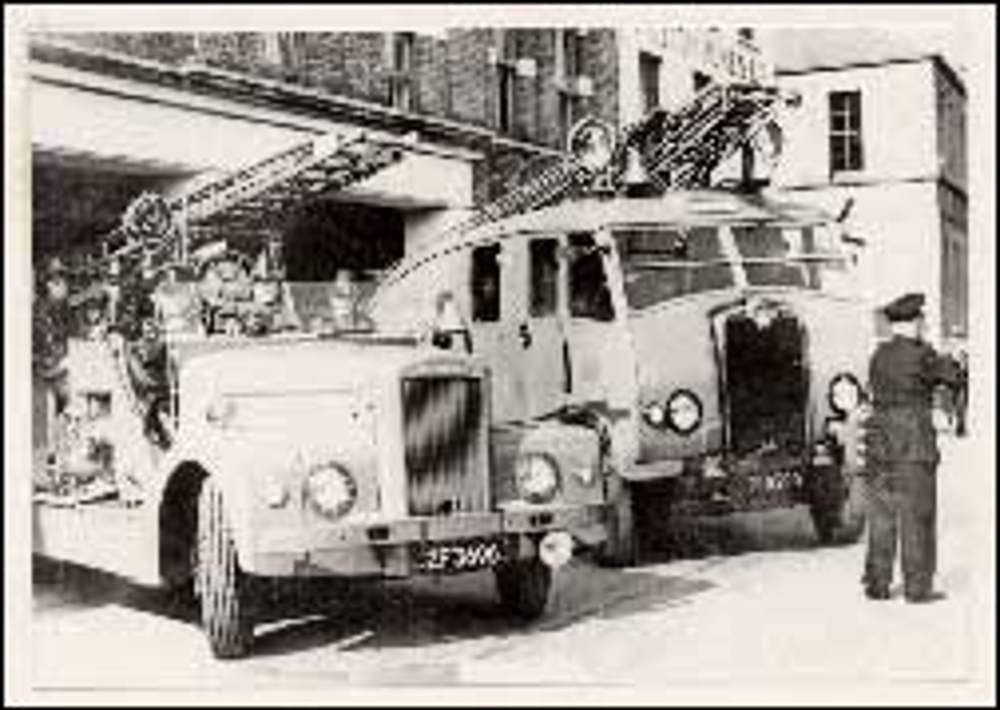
423	612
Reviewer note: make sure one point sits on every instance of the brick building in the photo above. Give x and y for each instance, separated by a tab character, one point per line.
113	114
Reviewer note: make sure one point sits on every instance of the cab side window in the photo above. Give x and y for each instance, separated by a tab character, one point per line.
589	295
485	284
544	257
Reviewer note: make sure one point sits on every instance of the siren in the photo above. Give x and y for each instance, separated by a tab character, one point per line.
636	177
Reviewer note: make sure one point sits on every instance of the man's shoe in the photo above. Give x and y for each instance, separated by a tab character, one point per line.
924	597
878	593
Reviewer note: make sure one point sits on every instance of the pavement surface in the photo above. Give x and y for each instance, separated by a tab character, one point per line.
747	601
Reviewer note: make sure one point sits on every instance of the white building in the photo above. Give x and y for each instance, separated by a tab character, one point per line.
883	125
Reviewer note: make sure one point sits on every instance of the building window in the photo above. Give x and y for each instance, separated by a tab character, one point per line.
280	48
572	53
505	97
569	65
401	82
845	131
649	80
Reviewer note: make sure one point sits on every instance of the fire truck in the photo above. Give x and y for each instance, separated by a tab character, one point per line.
712	333
214	427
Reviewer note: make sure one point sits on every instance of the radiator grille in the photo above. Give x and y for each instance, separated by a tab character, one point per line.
442	424
767	384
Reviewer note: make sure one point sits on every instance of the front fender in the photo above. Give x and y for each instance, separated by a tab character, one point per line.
227	462
575	449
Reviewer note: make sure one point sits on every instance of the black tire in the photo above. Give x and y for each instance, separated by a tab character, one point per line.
523	587
835	506
227	614
621	549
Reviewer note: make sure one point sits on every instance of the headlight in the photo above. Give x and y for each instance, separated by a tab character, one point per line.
845	393
221	411
655	413
332	490
537	478
683	411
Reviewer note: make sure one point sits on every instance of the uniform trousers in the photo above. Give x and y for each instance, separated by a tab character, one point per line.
902	504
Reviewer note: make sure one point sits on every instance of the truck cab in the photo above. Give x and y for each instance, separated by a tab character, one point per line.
252	429
718	335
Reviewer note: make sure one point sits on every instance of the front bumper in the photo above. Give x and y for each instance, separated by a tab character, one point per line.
387	548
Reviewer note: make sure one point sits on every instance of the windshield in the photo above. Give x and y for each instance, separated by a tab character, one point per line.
662	263
665	263
806	257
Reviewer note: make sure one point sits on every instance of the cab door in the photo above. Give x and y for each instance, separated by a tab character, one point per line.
600	354
493	340
536	300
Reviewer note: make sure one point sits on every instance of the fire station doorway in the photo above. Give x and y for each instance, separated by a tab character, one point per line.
327	236
75	200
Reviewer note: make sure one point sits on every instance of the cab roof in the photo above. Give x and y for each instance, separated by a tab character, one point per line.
702	207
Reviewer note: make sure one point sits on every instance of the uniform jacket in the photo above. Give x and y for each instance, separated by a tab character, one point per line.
902	374
51	326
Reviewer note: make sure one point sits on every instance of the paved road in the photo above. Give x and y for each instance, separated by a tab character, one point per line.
743	599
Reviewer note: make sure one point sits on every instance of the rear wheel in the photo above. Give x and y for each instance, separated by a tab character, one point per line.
523	587
835	506
226	591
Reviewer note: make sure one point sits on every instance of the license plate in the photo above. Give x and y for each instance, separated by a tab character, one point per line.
458	556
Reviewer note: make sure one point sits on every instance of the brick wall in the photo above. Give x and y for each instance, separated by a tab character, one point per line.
451	78
602	55
470	76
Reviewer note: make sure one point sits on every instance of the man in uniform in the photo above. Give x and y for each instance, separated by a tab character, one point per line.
902	454
52	320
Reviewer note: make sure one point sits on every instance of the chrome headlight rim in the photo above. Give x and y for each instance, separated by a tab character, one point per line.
350	489
675	398
547	493
836	382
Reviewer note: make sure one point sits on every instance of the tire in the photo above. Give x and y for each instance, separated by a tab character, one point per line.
523	587
835	506
225	590
622	546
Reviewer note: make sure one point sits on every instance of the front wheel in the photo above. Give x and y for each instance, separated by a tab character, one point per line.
225	590
835	506
523	587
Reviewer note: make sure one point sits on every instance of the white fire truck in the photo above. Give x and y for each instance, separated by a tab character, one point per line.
714	334
217	426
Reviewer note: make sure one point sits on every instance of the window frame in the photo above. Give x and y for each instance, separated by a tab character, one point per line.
848	135
571	262
652	63
552	310
693	272
402	49
506	96
477	311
